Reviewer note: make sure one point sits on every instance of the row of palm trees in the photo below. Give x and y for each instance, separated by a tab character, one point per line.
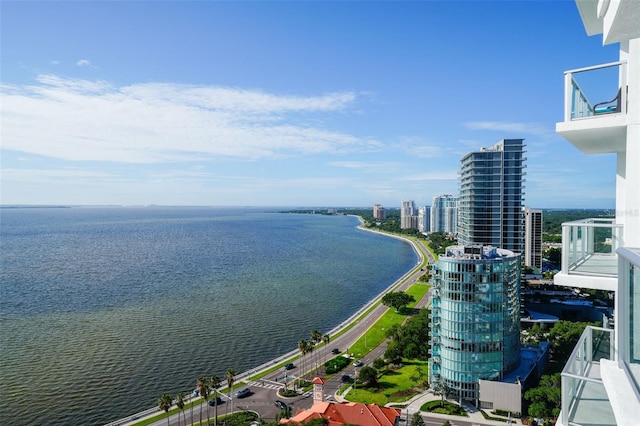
306	347
205	386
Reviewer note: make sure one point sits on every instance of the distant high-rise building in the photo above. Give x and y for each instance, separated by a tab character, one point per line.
533	238
424	218
491	196
378	212
444	214
408	216
475	318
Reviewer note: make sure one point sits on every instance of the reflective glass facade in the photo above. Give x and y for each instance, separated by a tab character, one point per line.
475	320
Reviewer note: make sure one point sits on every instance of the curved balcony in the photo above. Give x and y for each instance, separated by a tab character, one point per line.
589	258
599	126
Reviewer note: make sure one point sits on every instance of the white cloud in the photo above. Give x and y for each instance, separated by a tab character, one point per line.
78	120
416	147
83	63
430	176
519	128
366	166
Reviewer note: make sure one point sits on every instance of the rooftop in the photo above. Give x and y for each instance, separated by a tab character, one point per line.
347	413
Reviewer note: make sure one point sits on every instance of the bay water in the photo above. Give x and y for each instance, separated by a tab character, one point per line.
104	309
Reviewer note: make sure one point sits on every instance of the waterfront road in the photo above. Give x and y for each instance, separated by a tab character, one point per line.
264	390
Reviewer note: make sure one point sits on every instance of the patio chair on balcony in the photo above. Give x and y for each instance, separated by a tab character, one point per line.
606	107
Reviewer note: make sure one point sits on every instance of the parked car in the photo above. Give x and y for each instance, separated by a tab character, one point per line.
289	366
346	378
243	393
281	405
335	351
215	401
358	363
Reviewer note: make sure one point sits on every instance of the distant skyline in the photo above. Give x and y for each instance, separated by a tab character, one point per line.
287	103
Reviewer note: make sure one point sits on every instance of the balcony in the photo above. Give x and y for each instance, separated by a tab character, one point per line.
596	123
584	398
589	257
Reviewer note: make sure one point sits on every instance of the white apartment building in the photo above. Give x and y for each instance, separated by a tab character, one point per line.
424	218
492	196
444	214
601	380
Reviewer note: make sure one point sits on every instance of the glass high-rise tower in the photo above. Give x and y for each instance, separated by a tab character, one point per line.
475	318
491	196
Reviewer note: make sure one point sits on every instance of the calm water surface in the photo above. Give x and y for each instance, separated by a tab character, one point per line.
104	309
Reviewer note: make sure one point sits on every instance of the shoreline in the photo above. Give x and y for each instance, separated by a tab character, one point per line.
338	330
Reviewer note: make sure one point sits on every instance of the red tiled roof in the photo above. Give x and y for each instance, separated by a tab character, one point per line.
350	412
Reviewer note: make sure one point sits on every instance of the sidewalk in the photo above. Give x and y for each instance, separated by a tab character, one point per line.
475	416
413	405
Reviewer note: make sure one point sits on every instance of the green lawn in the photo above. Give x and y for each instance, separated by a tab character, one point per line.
375	335
394	385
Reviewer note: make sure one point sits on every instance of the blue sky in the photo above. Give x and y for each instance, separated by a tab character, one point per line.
287	103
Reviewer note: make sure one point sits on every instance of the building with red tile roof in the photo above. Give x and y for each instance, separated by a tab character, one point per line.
353	413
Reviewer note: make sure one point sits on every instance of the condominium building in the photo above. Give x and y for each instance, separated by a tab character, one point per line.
444	214
491	196
532	238
601	380
424	218
475	318
408	217
378	212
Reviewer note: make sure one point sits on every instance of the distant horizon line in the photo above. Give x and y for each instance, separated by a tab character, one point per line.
17	206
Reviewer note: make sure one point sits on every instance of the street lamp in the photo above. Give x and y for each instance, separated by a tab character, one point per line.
285	379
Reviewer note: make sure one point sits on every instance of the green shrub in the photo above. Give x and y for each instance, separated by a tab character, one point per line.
336	364
443	408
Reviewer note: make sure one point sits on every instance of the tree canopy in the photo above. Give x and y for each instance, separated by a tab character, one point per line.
369	376
546	398
397	300
410	340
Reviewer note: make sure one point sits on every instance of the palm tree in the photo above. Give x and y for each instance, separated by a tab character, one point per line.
164	403
215	384
180	405
203	387
417	419
441	388
316	337
302	347
230	376
310	348
326	339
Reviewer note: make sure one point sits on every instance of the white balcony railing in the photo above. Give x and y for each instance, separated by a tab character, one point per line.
589	247
583	393
603	85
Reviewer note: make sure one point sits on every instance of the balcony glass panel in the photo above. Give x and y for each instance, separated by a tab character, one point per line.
594	91
584	399
630	268
589	247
